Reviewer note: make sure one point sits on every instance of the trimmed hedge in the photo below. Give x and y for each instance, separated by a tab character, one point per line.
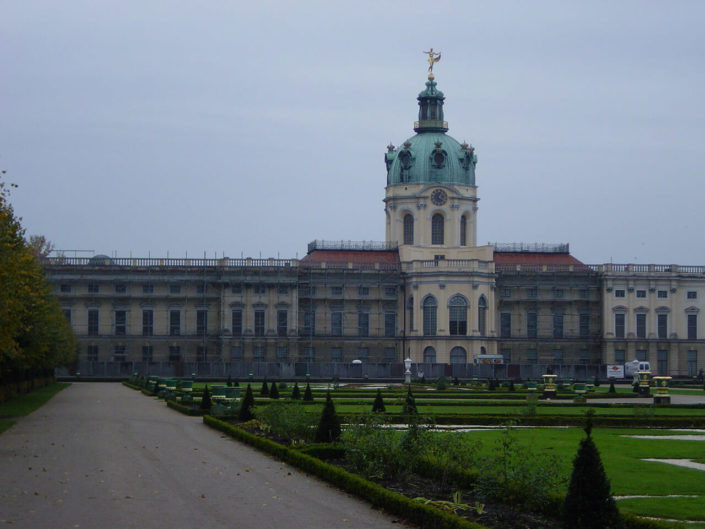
424	515
186	410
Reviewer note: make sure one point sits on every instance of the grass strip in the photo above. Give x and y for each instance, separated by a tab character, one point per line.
27	403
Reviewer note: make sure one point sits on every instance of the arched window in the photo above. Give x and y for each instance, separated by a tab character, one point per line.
463	230
458	356
429	355
458	311
482	315
429	316
437	228
408	229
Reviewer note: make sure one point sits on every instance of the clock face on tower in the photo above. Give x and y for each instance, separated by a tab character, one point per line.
439	197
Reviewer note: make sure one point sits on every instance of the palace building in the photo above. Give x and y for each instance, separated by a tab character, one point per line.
354	309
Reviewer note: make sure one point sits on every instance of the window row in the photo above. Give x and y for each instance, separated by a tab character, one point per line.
533	292
119	322
532	325
438	223
640	325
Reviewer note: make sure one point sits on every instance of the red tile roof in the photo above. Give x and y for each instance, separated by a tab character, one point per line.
352	256
535	258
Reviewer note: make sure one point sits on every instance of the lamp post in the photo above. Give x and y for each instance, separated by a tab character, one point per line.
407	372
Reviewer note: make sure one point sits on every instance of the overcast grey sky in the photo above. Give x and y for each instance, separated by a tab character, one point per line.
252	128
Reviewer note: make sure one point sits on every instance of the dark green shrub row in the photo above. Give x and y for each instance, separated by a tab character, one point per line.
424	515
186	410
324	451
131	386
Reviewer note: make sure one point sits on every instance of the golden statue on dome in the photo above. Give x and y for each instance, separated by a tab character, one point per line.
433	57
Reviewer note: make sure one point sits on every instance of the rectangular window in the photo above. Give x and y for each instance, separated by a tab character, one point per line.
692	294
692	363
148	288
309	327
260	289
619	356
619	293
201	353
662	294
174	322
201	288
619	325
174	289
147	322
692	326
506	355
505	292
93	322
558	356
174	353
363	323
641	355
201	322
336	291
584	356
390	292
558	293
93	288
583	293
92	353
64	288
584	324
67	314
120	322
641	293
558	325
505	324
120	288
258	355
390	324
641	325
390	354
236	289
259	323
532	356
237	322
532	292
282	290
336	354
309	354
119	353
282	353
336	323
147	353
531	325
363	353
662	362
363	291
236	353
282	322
662	320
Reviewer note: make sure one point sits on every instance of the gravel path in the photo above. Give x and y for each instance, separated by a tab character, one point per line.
103	455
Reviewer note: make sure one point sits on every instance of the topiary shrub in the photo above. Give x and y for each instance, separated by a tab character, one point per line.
596	382
378	405
248	402
511	386
274	392
329	426
441	384
206	399
295	393
612	388
265	389
308	394
410	404
229	383
589	503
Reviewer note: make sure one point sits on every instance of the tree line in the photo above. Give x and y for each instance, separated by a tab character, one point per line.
35	336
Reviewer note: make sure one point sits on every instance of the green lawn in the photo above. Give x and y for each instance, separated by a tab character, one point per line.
26	404
629	475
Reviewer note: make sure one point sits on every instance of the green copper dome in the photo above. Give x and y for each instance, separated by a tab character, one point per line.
431	155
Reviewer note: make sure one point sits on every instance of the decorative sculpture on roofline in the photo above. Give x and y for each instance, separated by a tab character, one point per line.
433	57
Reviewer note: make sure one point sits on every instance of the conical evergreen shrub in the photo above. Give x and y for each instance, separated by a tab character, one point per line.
410	404
378	405
308	394
229	383
206	399
612	388
274	391
511	386
248	402
596	382
296	392
329	426
265	389
589	503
